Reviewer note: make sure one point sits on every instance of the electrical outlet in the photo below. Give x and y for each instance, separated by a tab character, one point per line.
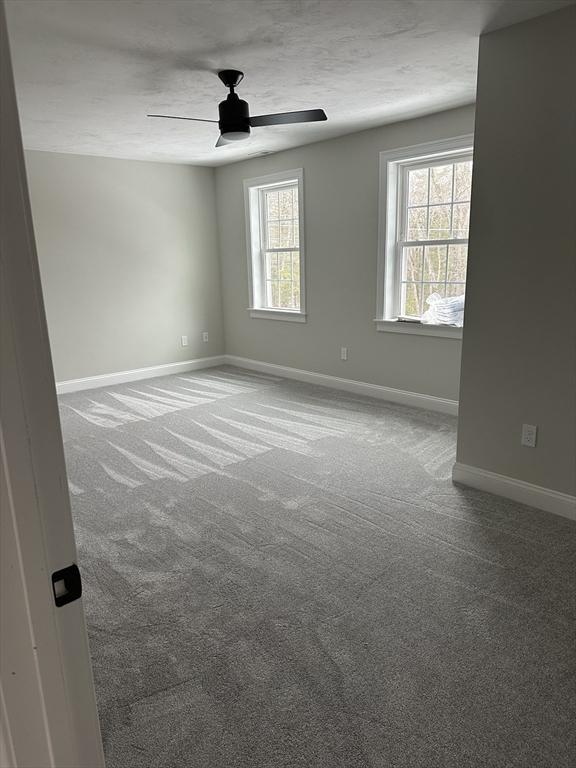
529	435
205	336
184	341
343	353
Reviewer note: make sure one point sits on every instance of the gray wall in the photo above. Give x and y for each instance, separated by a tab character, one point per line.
129	261
341	222
519	349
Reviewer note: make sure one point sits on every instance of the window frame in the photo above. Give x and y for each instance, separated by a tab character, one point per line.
255	244
392	209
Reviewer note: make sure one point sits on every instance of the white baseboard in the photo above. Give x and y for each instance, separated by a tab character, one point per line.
121	377
400	396
518	490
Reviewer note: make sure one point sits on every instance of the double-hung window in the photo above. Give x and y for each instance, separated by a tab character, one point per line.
274	224
423	248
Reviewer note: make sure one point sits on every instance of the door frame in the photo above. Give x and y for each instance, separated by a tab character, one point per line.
48	714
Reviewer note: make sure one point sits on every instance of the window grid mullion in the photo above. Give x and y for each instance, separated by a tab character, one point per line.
421	298
428	202
437	205
264	298
452	207
415	243
421	301
404	231
430	282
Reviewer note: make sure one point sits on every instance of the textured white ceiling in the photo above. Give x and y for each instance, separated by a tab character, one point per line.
88	71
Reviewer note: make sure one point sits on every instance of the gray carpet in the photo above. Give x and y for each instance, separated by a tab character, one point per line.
279	575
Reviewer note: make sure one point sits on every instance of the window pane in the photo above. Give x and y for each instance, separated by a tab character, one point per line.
439	227
418	187
417	223
285	266
271	266
461	218
435	263
273	235
271	205
296	231
441	184
411	298
462	180
296	269
296	295
457	258
428	289
455	289
272	293
286	203
286	237
286	297
412	263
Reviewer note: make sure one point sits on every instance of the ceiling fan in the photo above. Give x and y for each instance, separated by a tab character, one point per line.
235	120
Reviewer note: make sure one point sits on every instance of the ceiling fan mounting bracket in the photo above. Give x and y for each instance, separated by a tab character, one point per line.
231	77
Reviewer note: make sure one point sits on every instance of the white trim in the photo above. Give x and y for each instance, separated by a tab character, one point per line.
121	377
386	282
252	217
419	329
278	314
518	490
412	399
428	148
273	179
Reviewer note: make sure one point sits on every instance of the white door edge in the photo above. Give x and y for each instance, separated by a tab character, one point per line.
48	715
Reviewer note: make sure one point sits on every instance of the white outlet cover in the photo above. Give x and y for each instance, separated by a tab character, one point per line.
184	341
529	435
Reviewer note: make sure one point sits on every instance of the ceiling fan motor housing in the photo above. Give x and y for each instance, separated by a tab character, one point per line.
234	115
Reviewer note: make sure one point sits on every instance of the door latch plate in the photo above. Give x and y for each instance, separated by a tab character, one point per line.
66	585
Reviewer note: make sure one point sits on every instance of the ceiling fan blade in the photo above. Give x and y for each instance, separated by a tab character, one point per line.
177	117
284	118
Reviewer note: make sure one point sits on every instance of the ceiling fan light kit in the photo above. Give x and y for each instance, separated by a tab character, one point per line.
235	121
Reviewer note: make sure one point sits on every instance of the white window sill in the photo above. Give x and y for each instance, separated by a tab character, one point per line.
289	315
419	329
